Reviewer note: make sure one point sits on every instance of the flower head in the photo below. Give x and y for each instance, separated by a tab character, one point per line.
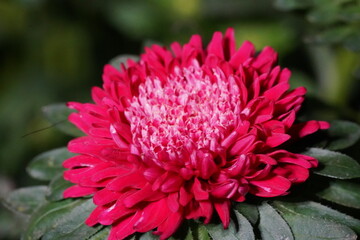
184	132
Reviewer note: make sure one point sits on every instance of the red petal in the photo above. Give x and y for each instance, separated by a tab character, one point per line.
124	228
294	173
88	145
152	216
270	187
138	196
185	197
277	91
78	191
199	192
223	209
94	216
81	161
277	139
169	226
229	43
215	46
105	196
173	201
306	128
246	51
265	60
243	145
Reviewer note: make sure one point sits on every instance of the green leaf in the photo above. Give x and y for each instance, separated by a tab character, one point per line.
48	164
313	209
122	59
79	230
202	233
148	236
327	14
334	164
101	235
344	134
241	230
245	229
25	200
331	35
352	42
315	228
189	235
272	226
343	193
292	4
57	114
64	216
350	14
249	211
56	188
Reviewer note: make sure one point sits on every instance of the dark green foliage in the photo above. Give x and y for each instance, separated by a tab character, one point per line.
53	51
48	164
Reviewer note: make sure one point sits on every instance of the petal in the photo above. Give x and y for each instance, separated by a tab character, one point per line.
223	209
309	127
169	226
215	46
229	43
138	196
270	187
78	191
265	60
199	192
295	173
105	196
246	51
152	216
243	145
124	228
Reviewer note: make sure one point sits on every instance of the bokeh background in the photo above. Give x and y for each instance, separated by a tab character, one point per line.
53	51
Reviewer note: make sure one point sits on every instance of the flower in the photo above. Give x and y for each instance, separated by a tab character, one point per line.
182	133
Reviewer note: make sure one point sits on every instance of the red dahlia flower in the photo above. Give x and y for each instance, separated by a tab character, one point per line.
184	132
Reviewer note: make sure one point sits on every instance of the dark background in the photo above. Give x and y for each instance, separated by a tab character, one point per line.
53	51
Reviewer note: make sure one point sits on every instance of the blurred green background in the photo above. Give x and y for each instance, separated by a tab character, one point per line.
54	51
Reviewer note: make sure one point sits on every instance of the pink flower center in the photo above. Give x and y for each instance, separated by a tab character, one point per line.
188	112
